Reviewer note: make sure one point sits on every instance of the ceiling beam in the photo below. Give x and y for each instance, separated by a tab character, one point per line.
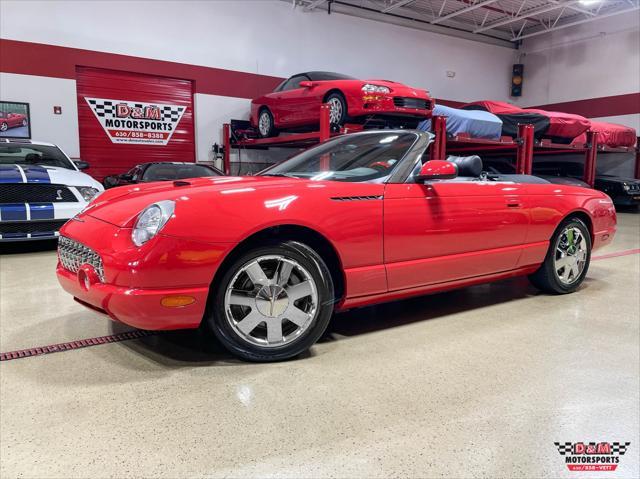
313	5
576	8
470	8
398	4
578	22
529	13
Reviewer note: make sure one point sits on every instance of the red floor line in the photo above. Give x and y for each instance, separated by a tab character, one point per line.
78	344
615	254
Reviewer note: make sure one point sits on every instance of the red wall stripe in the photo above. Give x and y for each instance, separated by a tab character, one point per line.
40	59
27	58
615	105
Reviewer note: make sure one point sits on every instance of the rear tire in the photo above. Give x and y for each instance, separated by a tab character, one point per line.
266	127
567	260
272	303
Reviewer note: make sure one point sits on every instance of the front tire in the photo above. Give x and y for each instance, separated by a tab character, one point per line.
4	126
567	260
272	303
266	124
337	109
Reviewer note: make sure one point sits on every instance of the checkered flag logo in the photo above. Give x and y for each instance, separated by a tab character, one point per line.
619	448
172	113
564	448
102	108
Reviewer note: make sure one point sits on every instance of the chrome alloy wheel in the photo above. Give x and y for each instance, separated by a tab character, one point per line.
335	110
570	255
264	123
271	301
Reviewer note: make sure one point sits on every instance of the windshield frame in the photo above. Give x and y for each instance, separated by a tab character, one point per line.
399	172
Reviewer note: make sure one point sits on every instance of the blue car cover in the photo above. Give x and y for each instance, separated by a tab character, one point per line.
477	123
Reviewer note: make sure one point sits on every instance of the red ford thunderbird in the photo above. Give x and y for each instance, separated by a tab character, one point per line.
295	103
264	261
11	120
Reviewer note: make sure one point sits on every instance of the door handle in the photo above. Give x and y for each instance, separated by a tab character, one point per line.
513	204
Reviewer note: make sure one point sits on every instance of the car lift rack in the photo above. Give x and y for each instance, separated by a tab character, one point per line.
524	145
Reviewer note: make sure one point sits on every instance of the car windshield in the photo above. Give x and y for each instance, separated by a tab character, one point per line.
169	171
353	158
324	76
13	154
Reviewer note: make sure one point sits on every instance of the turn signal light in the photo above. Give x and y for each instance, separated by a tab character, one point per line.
177	301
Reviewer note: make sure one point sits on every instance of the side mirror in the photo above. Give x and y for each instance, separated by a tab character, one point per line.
437	170
110	181
307	84
82	165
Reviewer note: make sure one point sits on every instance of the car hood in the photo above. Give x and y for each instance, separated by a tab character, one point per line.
121	205
46	175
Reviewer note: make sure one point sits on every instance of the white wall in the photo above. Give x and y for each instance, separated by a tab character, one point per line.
261	36
43	94
596	59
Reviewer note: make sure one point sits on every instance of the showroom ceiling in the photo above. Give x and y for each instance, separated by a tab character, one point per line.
485	20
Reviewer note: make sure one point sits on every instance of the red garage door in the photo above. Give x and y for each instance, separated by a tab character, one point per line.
127	119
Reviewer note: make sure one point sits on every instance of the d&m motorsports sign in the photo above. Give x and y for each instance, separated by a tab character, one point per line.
136	122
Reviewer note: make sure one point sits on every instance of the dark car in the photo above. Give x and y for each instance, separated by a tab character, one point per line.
623	191
161	171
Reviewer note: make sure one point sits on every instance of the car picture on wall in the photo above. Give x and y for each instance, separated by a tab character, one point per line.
15	120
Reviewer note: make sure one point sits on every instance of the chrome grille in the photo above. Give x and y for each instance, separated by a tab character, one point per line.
73	255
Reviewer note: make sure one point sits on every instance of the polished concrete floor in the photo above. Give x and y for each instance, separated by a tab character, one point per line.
478	382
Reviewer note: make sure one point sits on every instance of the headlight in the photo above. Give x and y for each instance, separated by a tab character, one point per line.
369	88
151	221
87	192
625	187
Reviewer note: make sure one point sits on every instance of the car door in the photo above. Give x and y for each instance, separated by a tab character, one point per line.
449	230
295	103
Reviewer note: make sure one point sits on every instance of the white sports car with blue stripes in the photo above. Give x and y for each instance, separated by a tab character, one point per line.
40	189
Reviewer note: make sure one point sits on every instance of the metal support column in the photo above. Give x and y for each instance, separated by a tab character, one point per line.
524	158
325	125
439	146
226	141
590	158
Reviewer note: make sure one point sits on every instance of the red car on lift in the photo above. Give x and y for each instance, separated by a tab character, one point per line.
11	120
295	103
264	261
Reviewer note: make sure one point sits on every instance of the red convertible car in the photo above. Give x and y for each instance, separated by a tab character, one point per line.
295	103
264	261
11	120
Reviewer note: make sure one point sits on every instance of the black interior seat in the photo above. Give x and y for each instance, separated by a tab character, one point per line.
467	165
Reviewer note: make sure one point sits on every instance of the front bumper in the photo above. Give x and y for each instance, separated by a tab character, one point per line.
136	281
384	105
137	307
35	221
630	199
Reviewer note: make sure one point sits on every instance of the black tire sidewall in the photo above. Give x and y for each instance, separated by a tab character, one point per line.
316	267
550	263
4	126
340	97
